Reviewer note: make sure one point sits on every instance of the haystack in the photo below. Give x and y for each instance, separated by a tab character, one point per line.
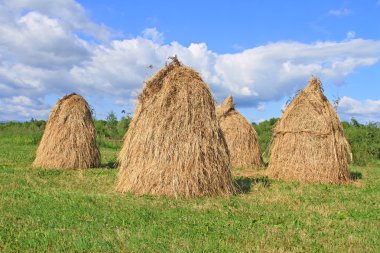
69	139
241	137
308	143
174	145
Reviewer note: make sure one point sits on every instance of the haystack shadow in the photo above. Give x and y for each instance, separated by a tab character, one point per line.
355	176
109	165
245	184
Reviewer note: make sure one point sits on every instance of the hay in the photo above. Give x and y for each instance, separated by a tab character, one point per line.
241	137
174	145
308	143
69	139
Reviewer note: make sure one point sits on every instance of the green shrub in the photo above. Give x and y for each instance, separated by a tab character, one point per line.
363	138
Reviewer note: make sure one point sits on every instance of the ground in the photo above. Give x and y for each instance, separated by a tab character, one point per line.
78	210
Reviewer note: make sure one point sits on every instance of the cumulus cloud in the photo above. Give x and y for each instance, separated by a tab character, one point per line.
255	75
260	107
352	108
351	35
70	12
154	35
34	82
121	67
37	40
16	107
42	53
340	12
274	70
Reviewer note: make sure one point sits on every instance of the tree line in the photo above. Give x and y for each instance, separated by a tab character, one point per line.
363	138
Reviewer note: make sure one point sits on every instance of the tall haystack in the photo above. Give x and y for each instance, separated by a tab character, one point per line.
308	143
174	145
69	139
241	137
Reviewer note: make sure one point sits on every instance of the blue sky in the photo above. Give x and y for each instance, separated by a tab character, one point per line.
260	52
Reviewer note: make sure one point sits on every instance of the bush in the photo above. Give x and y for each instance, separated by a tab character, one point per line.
110	132
364	141
264	132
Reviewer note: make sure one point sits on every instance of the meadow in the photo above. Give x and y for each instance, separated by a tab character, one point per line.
78	210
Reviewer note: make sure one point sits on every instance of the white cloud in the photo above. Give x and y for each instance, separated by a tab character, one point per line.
260	107
21	107
41	54
340	12
351	35
38	40
275	70
263	73
367	110
34	82
20	100
72	13
153	35
120	68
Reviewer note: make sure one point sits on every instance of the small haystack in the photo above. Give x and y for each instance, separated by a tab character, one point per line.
69	139
241	137
174	145
308	143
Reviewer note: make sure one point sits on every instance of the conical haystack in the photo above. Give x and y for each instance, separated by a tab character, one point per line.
69	139
241	137
174	145
308	143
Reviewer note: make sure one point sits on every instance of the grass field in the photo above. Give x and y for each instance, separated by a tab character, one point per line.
54	211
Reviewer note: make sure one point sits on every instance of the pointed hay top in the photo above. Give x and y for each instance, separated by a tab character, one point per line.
229	103
314	85
175	61
227	106
154	84
65	97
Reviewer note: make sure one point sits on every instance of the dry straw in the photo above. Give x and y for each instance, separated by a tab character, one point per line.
69	139
174	145
241	137
308	143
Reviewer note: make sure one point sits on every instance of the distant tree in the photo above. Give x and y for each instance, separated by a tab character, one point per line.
123	125
355	123
111	119
264	131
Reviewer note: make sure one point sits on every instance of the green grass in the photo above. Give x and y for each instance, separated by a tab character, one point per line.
54	211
